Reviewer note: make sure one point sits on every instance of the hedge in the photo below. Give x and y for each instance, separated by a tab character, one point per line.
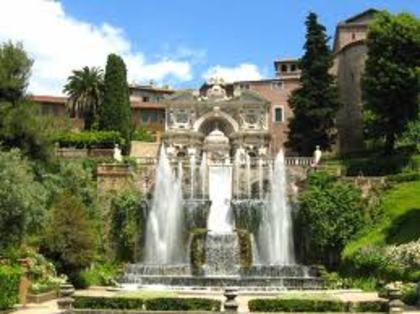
114	303
369	306
179	304
9	286
97	139
155	304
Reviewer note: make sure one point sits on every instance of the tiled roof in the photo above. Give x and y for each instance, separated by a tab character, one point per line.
50	99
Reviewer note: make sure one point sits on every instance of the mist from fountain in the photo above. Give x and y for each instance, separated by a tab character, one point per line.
275	236
248	175
165	221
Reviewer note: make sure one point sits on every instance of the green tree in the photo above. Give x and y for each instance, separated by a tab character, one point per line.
22	200
69	240
391	80
115	112
15	70
315	102
84	88
20	125
330	214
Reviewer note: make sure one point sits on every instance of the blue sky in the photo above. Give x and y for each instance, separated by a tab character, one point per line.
175	41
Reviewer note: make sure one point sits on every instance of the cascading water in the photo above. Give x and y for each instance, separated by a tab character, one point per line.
220	193
203	174
275	237
165	221
248	175
192	175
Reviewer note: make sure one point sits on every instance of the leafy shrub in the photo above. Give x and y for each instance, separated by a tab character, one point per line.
404	177
114	303
179	304
405	255
369	306
101	274
410	294
412	134
90	139
143	135
9	286
331	213
296	305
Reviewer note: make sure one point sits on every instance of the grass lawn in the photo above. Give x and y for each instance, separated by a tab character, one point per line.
400	222
308	295
148	294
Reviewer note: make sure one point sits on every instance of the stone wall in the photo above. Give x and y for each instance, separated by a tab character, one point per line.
114	177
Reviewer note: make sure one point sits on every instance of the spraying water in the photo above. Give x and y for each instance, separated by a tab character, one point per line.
248	175
164	225
276	232
220	190
192	175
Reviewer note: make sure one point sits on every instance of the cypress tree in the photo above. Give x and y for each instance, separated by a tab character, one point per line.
315	103
115	112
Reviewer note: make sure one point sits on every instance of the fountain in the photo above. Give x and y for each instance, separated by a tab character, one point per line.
229	222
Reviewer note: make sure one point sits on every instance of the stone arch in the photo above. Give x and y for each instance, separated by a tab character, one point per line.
206	123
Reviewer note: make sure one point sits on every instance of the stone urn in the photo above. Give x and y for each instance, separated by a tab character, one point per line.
230	304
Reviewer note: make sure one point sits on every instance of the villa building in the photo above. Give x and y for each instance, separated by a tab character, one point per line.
151	104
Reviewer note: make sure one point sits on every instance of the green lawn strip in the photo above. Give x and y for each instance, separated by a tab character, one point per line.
306	296
145	294
399	224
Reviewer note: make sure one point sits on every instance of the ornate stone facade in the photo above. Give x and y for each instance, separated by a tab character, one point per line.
240	117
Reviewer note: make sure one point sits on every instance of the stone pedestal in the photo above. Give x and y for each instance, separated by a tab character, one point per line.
65	302
231	306
396	306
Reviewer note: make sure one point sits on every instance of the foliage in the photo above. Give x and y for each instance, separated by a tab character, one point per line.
69	240
114	303
390	82
85	88
182	304
128	221
101	274
197	250
331	213
21	127
42	273
404	177
9	286
143	135
369	306
98	139
22	200
411	136
398	223
15	69
405	255
249	217
296	305
410	295
245	249
115	112
315	103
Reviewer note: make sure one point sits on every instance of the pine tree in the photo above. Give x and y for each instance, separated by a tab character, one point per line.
115	112
315	103
391	81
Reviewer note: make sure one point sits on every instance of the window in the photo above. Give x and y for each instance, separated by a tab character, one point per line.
278	114
284	68
353	36
146	98
277	85
294	67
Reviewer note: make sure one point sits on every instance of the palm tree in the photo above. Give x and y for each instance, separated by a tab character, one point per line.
85	88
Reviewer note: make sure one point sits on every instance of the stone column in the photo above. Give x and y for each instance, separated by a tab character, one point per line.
24	282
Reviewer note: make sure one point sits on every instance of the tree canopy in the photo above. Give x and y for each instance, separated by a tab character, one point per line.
115	112
85	88
315	103
391	81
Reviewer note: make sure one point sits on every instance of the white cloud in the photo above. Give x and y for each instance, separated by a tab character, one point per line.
242	72
60	43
